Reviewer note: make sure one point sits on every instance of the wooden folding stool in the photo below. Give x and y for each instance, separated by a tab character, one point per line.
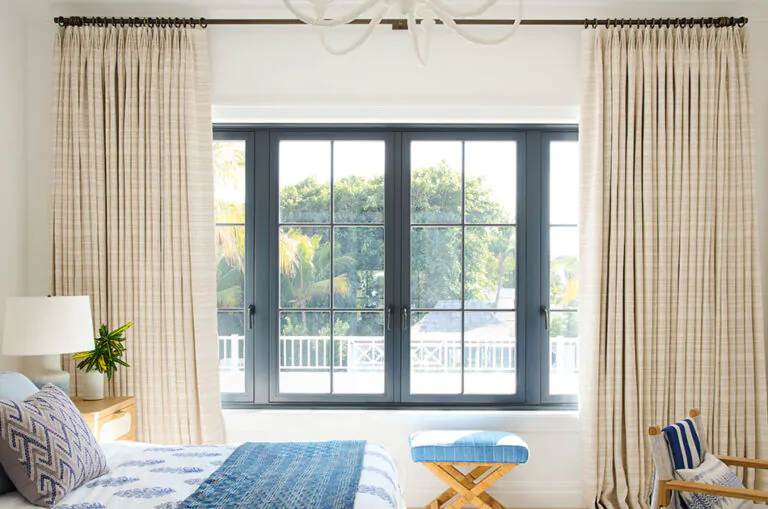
493	454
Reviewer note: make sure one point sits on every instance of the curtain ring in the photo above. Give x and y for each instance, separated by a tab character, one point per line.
742	22
586	24
692	24
203	23
61	22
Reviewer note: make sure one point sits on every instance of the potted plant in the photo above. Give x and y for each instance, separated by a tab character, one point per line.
103	359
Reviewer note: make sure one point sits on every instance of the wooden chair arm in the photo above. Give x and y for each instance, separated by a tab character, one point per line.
707	489
744	462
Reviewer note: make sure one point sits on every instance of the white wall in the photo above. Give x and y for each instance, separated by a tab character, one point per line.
282	74
12	163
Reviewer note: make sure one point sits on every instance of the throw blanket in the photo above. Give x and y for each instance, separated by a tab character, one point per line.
315	475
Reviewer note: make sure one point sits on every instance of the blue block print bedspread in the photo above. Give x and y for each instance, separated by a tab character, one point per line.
314	475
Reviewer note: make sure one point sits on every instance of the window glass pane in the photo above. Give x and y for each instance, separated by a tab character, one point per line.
231	332
358	179
358	364
564	267
305	267
358	261
305	181
229	181
564	353
490	353
305	352
436	267
489	265
229	209
490	182
564	182
436	182
436	352
230	266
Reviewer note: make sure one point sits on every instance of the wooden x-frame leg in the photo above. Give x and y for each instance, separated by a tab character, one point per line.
466	487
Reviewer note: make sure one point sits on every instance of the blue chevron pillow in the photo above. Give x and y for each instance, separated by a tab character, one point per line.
46	447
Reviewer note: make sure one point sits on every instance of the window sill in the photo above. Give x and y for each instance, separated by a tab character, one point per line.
558	408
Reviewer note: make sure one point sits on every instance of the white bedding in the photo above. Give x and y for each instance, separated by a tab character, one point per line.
145	476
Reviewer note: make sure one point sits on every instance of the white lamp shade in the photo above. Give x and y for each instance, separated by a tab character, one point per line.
47	325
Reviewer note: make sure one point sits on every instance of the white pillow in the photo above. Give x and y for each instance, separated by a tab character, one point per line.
715	472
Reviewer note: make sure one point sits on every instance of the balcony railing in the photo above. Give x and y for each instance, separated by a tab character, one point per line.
366	354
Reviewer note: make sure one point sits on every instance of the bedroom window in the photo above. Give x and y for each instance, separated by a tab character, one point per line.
406	267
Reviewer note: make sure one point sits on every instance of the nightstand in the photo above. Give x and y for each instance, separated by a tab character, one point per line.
111	418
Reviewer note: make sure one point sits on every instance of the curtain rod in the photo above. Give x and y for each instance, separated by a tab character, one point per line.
402	24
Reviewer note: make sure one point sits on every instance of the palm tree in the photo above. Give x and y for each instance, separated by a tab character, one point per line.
567	270
305	267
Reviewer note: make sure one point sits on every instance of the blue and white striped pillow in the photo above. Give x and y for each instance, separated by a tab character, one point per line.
684	444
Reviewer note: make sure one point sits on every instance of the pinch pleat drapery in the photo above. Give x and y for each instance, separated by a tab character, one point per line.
133	223
670	291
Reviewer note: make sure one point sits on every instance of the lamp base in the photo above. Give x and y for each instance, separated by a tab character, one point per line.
48	371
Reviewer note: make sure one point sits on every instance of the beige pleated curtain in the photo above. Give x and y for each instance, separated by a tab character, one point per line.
670	282
133	214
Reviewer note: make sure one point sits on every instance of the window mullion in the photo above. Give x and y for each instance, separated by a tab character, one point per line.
532	296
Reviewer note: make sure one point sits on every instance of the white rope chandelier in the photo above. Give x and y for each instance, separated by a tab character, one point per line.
427	11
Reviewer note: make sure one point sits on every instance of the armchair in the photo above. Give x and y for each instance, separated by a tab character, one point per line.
690	439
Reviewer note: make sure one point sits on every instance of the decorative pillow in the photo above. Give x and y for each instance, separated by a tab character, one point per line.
46	447
684	444
715	472
17	387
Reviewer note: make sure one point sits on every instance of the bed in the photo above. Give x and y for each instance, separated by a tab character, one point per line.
148	476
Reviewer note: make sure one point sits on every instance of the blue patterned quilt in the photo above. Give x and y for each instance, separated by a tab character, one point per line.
314	475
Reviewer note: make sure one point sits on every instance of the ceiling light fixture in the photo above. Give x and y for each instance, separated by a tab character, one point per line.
421	17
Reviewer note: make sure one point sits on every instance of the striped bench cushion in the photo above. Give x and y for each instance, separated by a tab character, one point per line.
684	444
468	447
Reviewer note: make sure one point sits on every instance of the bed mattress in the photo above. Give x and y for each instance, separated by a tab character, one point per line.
146	476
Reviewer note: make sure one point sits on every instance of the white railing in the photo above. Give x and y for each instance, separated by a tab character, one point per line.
230	348
363	353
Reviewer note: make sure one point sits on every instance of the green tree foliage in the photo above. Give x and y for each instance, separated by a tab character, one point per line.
357	276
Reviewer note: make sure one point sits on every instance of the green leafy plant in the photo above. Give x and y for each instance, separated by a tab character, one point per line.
108	348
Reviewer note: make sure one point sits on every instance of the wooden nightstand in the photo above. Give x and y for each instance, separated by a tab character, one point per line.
110	419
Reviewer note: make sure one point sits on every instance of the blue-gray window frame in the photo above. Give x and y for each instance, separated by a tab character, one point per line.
262	275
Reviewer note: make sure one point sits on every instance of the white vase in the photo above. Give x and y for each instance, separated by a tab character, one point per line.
93	385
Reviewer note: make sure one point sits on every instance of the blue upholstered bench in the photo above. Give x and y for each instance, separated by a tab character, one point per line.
492	453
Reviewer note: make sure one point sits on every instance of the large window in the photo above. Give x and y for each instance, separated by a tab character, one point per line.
397	267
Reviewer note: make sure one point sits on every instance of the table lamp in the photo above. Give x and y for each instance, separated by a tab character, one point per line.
47	327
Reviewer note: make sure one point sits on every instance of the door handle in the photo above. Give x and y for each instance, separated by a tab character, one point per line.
405	317
545	310
389	318
251	312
